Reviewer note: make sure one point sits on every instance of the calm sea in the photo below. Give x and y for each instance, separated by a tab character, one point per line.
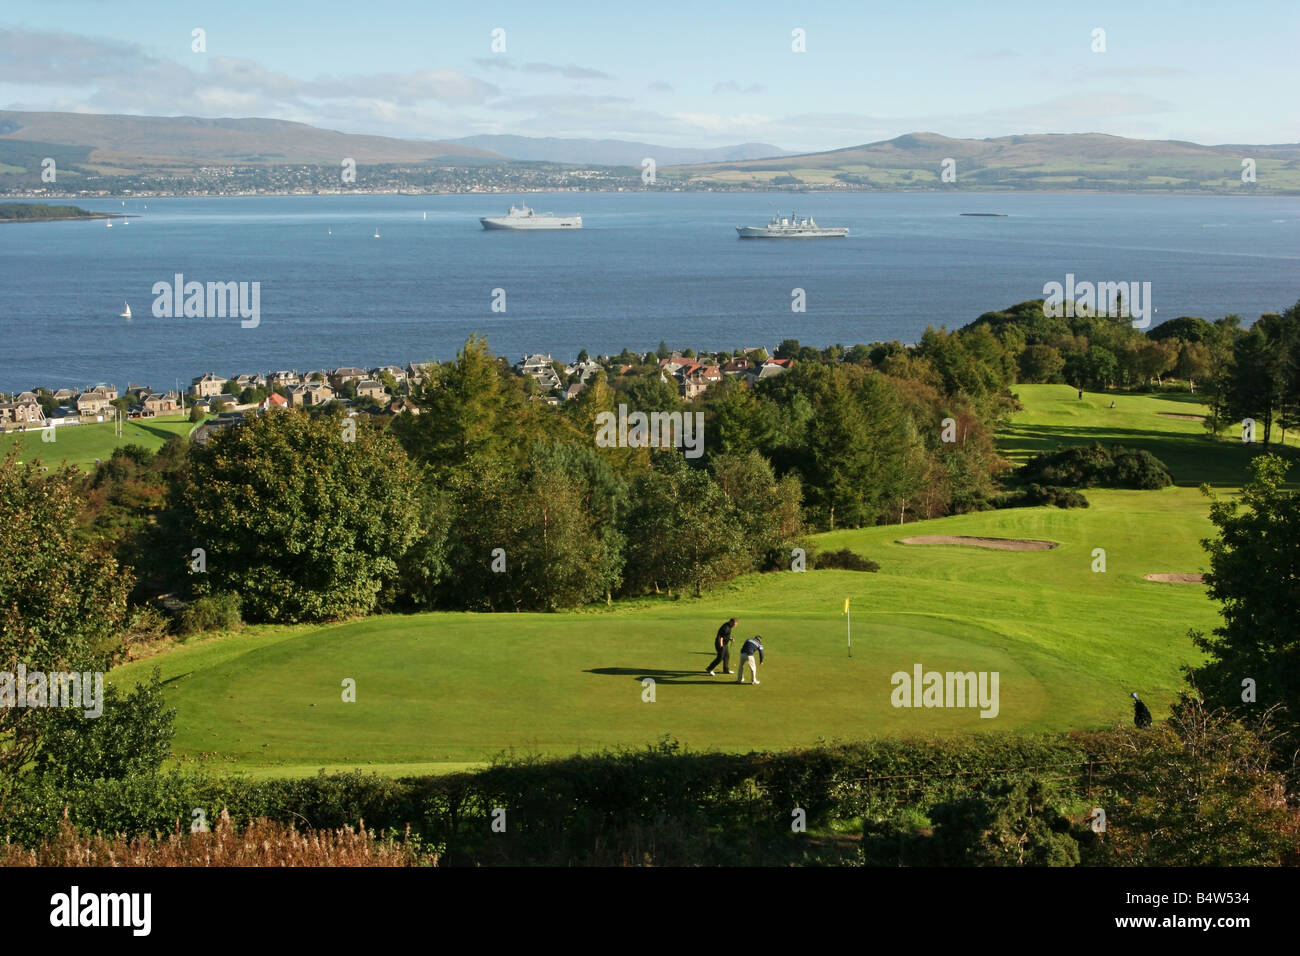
645	268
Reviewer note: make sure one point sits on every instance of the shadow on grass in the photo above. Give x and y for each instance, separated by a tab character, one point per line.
660	676
1192	459
154	430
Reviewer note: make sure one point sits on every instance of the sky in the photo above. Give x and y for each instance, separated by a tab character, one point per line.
674	73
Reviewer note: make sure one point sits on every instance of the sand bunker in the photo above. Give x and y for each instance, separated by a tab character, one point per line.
1177	578
998	544
1190	418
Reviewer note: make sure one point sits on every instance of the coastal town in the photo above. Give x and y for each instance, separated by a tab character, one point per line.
383	390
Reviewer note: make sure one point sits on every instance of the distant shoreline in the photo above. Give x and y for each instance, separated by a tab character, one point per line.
1281	194
97	215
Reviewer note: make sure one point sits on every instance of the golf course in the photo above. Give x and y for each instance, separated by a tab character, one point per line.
443	691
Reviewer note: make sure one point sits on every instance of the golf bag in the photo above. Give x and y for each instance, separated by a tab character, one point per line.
1141	716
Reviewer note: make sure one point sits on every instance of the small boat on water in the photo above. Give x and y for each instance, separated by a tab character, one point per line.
376	233
126	311
110	225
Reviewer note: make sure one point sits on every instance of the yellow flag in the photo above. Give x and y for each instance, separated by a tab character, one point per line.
846	605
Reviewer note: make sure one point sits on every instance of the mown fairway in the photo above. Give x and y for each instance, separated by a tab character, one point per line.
80	445
437	691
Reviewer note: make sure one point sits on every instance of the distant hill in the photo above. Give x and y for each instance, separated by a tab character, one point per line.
613	152
1034	161
190	154
130	142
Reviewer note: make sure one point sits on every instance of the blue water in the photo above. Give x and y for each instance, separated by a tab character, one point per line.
646	267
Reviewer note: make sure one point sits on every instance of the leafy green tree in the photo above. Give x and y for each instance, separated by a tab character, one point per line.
1215	385
132	736
1187	328
426	566
768	509
527	542
467	412
1253	563
1253	380
62	597
1095	369
1041	363
305	517
1193	362
683	530
739	422
856	451
652	393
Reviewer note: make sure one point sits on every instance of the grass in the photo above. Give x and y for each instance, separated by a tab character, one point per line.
80	445
439	692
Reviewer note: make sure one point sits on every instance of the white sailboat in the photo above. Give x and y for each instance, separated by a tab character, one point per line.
126	313
426	215
110	225
376	233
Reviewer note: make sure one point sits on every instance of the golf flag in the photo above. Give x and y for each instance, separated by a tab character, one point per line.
848	625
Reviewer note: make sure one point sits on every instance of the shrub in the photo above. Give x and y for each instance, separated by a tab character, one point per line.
220	612
1086	466
1041	495
146	623
1139	469
132	735
845	559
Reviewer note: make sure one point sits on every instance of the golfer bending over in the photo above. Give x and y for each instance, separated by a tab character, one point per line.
747	651
722	644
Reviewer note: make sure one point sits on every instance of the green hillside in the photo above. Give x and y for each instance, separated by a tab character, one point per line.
439	691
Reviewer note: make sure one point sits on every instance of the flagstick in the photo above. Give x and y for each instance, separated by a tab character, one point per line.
849	624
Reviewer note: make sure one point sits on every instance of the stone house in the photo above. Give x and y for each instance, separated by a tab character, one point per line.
373	389
24	409
207	385
341	376
306	396
161	404
93	403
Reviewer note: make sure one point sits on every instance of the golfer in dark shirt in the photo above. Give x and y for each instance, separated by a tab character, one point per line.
747	651
722	644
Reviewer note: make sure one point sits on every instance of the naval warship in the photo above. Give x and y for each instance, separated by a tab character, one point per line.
523	217
792	228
